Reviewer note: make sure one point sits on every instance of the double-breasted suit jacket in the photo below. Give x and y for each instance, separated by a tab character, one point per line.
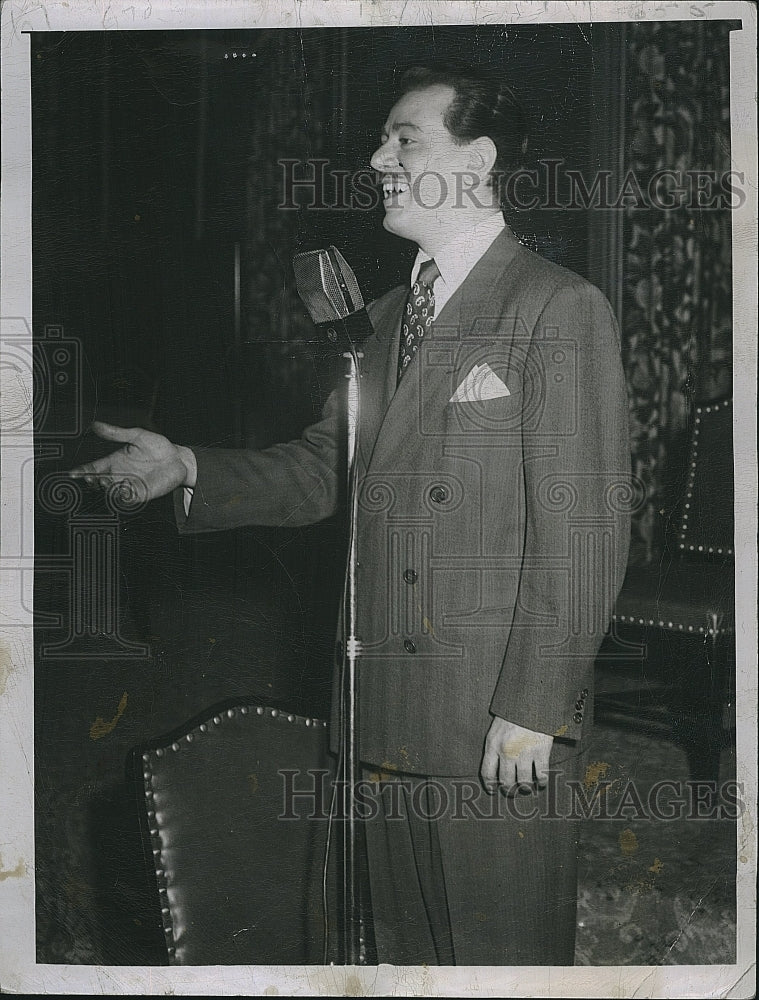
493	527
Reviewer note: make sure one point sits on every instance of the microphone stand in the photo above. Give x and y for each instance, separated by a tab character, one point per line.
349	719
330	292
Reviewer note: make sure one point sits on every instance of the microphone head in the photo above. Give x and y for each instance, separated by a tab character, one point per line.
326	285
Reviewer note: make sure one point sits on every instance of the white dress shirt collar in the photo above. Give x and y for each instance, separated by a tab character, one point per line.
456	259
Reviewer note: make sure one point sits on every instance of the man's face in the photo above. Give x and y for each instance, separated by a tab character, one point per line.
423	170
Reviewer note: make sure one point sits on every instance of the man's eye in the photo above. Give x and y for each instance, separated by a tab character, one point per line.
405	141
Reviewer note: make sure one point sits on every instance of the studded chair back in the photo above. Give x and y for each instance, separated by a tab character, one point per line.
688	593
705	521
237	858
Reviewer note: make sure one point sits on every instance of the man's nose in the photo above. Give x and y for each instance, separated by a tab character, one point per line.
384	158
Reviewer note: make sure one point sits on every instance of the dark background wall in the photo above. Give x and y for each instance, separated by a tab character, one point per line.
155	184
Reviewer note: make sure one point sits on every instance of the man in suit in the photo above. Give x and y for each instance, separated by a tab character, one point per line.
491	536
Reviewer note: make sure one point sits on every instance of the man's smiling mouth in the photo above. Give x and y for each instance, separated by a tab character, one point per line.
394	185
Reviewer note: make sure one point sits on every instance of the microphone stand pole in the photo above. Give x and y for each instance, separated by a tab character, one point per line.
331	294
350	744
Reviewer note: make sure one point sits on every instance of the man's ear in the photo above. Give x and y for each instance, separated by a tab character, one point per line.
482	155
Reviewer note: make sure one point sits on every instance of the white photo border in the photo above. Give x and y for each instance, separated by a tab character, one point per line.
19	972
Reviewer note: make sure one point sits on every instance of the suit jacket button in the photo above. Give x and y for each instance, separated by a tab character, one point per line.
409	645
577	717
410	576
438	494
584	693
579	705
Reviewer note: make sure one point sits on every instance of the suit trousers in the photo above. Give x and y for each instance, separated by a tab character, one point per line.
459	877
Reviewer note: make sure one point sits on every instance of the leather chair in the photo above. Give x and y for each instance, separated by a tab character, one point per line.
239	877
679	611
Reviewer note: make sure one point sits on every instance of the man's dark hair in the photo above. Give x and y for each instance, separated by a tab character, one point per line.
483	105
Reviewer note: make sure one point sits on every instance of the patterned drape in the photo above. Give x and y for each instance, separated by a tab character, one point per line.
299	78
676	263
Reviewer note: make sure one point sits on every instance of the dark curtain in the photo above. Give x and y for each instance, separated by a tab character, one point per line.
675	266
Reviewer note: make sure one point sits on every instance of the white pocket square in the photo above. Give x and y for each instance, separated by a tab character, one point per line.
481	383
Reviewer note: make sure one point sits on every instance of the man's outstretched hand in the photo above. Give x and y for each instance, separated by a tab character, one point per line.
515	758
148	466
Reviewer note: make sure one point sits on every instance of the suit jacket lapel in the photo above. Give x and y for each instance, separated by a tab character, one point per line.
380	367
480	296
387	411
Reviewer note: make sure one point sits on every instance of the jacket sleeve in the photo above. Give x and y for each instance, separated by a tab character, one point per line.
577	498
286	485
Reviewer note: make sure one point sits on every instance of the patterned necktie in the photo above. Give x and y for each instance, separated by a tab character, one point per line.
418	314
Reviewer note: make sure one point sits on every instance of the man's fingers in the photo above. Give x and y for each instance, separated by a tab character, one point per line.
98	474
516	774
507	774
111	432
89	470
518	757
489	769
528	772
542	763
541	770
99	466
512	775
101	469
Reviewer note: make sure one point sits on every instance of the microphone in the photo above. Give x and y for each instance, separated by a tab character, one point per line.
328	289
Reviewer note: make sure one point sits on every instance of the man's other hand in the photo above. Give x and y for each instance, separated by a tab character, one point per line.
515	759
148	466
